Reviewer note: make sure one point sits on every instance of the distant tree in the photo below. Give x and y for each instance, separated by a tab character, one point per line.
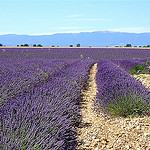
78	45
53	45
21	45
140	46
57	46
116	46
39	45
1	44
135	46
17	45
70	45
128	45
90	46
144	46
26	45
148	45
34	45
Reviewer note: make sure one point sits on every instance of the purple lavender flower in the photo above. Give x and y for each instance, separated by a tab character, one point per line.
117	88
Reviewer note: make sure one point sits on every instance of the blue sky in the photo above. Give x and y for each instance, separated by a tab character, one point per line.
39	17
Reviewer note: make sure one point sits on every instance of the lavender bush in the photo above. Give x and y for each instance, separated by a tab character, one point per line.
45	116
119	93
128	64
133	66
17	76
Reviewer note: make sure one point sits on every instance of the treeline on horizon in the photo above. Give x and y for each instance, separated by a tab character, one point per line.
77	45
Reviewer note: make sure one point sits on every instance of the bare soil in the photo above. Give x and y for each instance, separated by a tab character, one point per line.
144	78
97	132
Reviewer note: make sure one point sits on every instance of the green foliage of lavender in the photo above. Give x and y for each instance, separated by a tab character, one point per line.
139	69
147	62
119	93
127	107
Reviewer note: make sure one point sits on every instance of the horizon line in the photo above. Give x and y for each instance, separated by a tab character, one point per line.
74	47
72	32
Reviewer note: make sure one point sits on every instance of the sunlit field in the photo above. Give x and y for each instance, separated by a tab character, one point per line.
41	92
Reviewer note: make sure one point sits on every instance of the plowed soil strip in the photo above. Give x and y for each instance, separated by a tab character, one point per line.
99	133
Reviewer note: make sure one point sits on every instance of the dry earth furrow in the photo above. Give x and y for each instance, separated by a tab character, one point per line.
97	132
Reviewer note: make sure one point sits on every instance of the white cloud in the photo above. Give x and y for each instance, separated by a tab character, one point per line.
76	29
93	19
130	29
50	33
3	33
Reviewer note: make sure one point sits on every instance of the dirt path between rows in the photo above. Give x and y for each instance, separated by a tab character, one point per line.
99	133
144	78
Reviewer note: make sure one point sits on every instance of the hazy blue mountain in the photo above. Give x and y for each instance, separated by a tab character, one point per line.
86	39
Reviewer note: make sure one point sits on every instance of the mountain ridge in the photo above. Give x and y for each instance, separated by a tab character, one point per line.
86	39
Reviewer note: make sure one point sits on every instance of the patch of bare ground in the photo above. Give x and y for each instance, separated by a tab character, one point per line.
144	78
97	132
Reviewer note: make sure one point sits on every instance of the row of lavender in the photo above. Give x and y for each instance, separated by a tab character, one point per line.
128	64
45	116
120	94
17	76
75	53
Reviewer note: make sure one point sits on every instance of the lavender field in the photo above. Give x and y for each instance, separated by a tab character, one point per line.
75	53
40	92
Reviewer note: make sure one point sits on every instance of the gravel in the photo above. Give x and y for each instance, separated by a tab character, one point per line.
97	132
